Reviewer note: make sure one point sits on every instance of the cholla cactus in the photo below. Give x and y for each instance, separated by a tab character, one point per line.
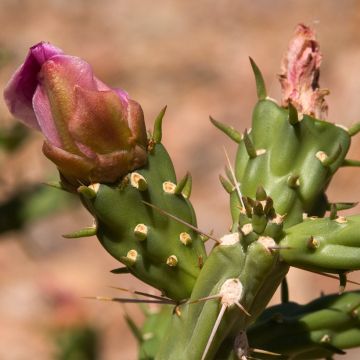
143	217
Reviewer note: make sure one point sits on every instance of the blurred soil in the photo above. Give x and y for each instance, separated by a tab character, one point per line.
192	56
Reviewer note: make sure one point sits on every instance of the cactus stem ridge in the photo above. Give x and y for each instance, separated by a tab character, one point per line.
232	133
232	173
181	221
138	181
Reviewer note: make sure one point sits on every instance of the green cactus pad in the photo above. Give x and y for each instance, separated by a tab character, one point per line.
316	330
150	244
293	162
324	244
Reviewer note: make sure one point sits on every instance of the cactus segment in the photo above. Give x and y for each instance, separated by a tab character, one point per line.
247	259
227	130
289	170
319	329
260	83
192	329
205	321
324	245
146	241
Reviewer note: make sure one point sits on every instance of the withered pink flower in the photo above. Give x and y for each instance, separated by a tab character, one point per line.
300	70
93	133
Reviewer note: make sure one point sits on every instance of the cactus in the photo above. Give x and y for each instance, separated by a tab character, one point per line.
214	304
160	251
320	329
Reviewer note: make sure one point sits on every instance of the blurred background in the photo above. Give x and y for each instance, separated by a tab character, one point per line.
190	55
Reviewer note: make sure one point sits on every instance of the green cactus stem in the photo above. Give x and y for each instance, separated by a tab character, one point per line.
292	159
316	330
250	267
324	244
151	245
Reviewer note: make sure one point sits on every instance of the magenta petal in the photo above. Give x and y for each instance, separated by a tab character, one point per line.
123	95
19	91
44	117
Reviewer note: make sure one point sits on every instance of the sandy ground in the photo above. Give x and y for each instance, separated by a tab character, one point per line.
192	56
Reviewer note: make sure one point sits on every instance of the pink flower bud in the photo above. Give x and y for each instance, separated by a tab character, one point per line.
93	133
300	70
